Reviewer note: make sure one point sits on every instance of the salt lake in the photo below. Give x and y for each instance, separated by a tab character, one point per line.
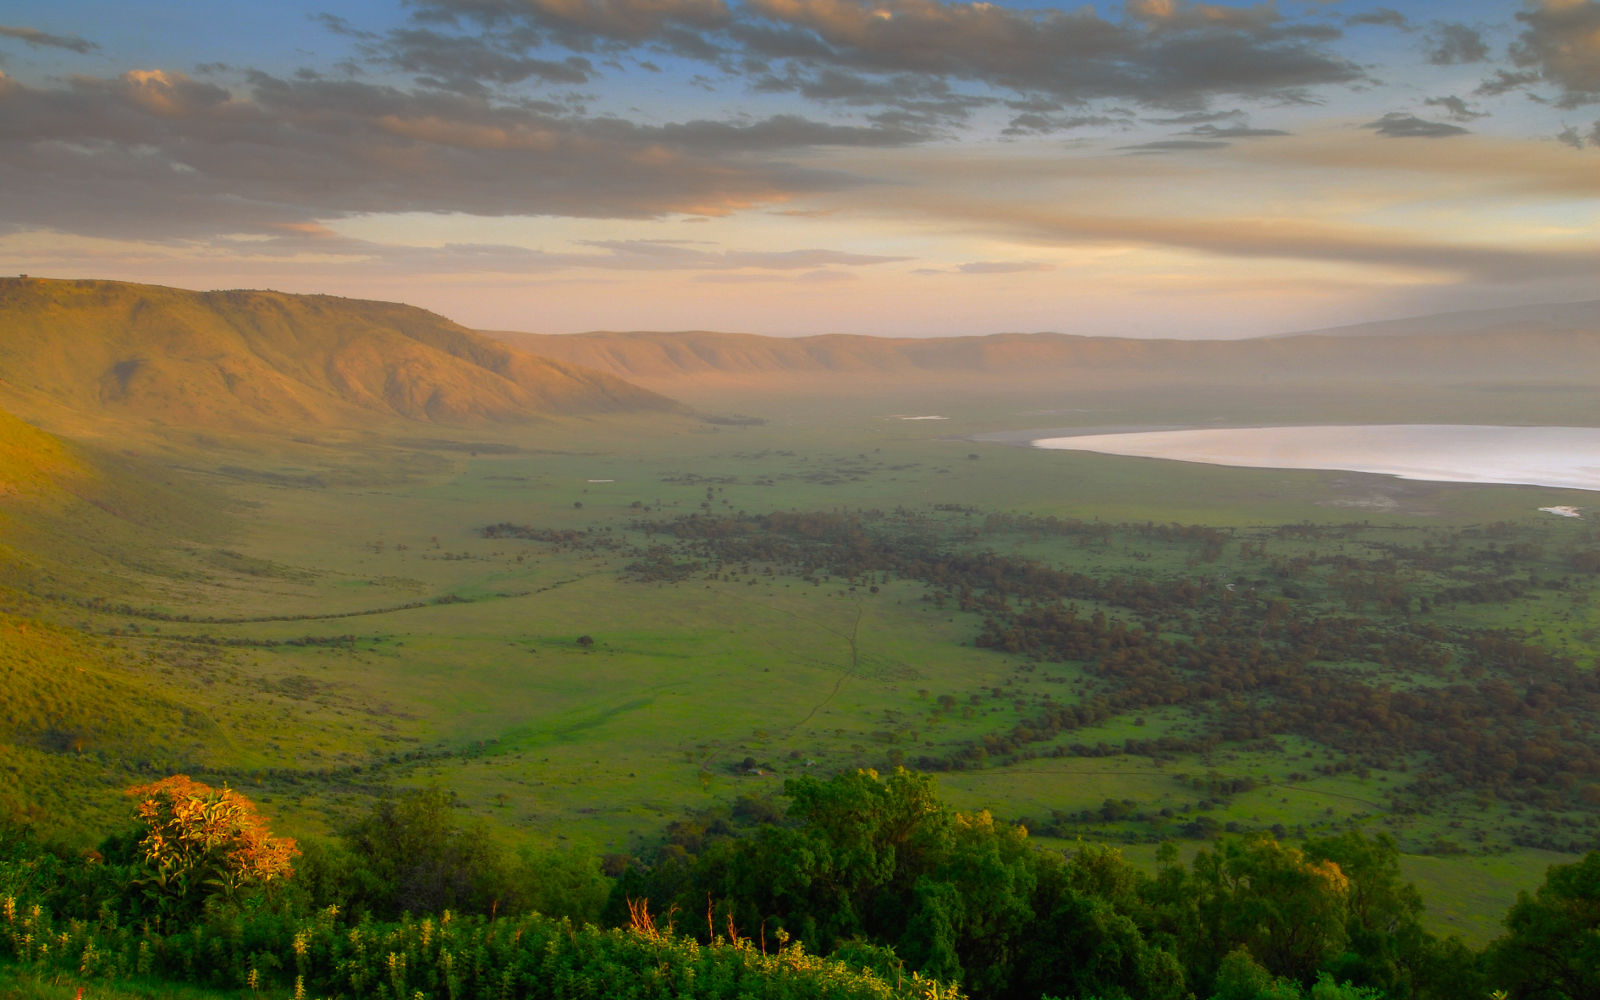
1567	457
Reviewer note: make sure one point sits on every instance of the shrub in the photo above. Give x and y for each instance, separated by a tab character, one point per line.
200	843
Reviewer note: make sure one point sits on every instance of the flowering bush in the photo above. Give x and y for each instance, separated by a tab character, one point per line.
201	843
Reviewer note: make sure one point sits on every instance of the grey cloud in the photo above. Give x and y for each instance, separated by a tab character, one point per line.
1448	44
580	21
1171	53
924	103
1399	125
466	64
1173	145
159	156
1504	81
1035	104
1197	117
1037	123
341	26
785	132
1236	64
1456	108
1570	136
1561	41
1234	132
1381	16
37	38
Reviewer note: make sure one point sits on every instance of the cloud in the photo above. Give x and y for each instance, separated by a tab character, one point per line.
1448	44
1456	108
1039	123
1003	267
1381	16
1164	53
1234	132
1504	82
785	132
1174	145
662	255
37	39
1570	136
471	65
157	155
1561	42
316	245
1197	117
1288	239
1399	125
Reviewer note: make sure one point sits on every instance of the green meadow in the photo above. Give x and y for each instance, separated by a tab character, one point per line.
341	624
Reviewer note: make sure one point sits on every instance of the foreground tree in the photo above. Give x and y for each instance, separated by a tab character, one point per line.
1551	950
413	855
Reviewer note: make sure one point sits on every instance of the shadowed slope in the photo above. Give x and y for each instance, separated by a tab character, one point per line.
77	713
75	353
34	465
75	519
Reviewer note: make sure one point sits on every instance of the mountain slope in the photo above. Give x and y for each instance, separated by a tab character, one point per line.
1553	317
78	352
1558	344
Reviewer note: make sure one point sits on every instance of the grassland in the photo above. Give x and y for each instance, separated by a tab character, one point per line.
273	571
335	621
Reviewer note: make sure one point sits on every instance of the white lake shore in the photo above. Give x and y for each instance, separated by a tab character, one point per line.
1561	457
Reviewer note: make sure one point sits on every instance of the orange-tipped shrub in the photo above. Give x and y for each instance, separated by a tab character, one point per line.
201	843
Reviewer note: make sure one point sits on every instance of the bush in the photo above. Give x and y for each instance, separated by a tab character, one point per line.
199	843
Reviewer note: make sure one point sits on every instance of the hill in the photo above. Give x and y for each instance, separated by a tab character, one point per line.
1552	317
1558	344
74	517
76	711
80	354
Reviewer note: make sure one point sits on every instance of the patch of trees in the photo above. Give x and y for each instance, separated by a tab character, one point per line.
863	859
1484	709
878	873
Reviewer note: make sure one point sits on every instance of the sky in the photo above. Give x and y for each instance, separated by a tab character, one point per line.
1146	168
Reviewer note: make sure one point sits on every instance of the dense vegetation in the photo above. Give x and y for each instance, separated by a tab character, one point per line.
901	891
1350	638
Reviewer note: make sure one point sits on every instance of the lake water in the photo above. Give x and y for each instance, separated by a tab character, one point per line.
1567	457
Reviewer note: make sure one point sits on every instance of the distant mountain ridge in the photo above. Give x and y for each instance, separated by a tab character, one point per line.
1556	344
76	351
1550	317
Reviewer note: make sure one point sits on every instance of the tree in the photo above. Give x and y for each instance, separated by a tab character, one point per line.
200	843
413	856
1551	950
1386	943
1288	911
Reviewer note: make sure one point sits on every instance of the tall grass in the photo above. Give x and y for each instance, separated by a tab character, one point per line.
529	957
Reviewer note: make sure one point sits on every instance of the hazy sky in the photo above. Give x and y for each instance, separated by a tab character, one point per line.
907	167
